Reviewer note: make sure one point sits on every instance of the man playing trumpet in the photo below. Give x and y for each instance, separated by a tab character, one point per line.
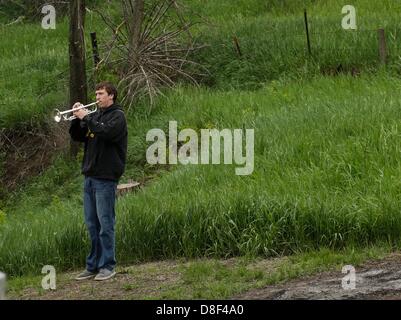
104	133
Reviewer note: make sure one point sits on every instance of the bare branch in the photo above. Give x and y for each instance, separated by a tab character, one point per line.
160	54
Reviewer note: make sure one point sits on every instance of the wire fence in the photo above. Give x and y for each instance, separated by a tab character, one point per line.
345	41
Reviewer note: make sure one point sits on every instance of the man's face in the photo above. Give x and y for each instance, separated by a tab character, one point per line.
103	98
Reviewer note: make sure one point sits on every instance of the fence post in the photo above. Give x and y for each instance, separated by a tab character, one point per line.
307	32
95	50
2	286
237	47
382	46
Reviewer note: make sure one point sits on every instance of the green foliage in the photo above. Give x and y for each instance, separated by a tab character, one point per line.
34	70
271	37
2	217
326	175
327	165
272	40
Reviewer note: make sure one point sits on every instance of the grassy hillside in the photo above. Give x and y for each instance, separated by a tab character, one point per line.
272	40
34	68
327	173
271	36
327	152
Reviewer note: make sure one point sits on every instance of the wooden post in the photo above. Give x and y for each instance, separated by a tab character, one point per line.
95	50
382	46
307	32
237	47
78	86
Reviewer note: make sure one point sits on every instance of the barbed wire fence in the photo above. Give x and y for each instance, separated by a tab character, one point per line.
313	36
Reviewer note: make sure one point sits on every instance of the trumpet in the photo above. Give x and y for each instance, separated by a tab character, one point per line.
63	115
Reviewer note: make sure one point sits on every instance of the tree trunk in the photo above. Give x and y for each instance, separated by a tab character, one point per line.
78	86
133	14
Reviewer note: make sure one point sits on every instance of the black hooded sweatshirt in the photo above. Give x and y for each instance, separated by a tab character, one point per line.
104	133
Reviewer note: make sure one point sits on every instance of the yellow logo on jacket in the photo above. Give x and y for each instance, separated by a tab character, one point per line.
90	134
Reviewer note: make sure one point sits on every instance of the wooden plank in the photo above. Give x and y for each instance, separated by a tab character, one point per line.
127	187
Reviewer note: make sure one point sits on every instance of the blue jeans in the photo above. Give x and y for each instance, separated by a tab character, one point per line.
99	201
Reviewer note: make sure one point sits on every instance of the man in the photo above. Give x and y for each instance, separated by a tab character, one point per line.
104	133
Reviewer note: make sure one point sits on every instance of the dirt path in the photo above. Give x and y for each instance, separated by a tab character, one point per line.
138	282
374	280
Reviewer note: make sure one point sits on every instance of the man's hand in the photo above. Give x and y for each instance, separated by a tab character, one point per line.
81	113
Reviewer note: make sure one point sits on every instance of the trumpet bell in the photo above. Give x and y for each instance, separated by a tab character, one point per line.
57	115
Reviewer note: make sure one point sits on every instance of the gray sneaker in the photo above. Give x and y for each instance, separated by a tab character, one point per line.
85	275
105	274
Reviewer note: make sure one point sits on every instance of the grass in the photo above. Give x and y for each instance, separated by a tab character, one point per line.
198	278
271	35
216	280
327	167
34	70
326	173
272	40
30	73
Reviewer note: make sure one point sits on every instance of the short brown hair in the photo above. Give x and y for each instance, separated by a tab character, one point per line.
109	87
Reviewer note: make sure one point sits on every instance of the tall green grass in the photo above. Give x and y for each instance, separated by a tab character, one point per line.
34	64
34	69
273	44
327	173
327	168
